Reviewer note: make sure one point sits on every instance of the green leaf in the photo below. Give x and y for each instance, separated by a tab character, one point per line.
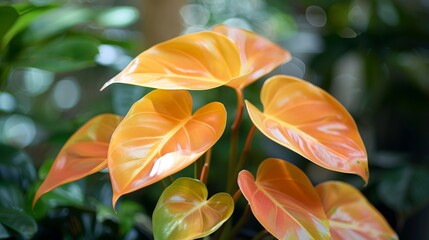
62	55
8	17
27	14
71	194
184	212
16	166
405	189
3	232
117	16
57	21
19	221
127	212
11	196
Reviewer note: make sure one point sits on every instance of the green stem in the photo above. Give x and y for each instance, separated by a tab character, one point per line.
234	141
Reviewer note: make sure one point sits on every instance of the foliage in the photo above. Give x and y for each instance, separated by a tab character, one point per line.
35	45
160	136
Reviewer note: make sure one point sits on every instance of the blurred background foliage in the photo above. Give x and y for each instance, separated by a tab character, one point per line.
373	56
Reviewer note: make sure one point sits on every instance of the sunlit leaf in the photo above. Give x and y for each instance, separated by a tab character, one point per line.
284	201
195	61
183	211
350	215
309	121
159	136
259	56
83	154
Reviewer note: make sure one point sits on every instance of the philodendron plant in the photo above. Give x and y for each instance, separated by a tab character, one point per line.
160	136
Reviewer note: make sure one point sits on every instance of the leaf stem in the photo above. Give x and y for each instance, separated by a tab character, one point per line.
205	171
236	196
234	140
246	149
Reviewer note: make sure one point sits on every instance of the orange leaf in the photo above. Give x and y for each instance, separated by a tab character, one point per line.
284	201
259	55
83	154
195	61
184	212
309	121
350	215
159	136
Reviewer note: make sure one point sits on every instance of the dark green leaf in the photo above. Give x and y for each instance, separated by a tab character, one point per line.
405	189
16	166
62	55
71	194
8	16
19	221
28	13
3	232
11	196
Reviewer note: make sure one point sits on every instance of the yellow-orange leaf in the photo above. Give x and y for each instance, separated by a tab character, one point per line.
259	55
309	121
284	201
350	215
159	136
184	212
83	154
195	61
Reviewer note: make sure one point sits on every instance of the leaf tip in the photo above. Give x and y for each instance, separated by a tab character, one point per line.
106	85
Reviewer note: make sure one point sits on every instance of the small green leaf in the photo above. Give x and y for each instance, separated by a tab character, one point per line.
19	221
183	211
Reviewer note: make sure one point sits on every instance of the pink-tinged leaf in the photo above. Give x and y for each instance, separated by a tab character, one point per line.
195	61
284	201
183	211
259	55
350	215
83	154
309	121
159	136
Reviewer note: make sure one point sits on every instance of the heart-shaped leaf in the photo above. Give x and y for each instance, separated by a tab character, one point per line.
83	154
183	211
259	55
284	201
159	136
309	121
195	61
350	215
